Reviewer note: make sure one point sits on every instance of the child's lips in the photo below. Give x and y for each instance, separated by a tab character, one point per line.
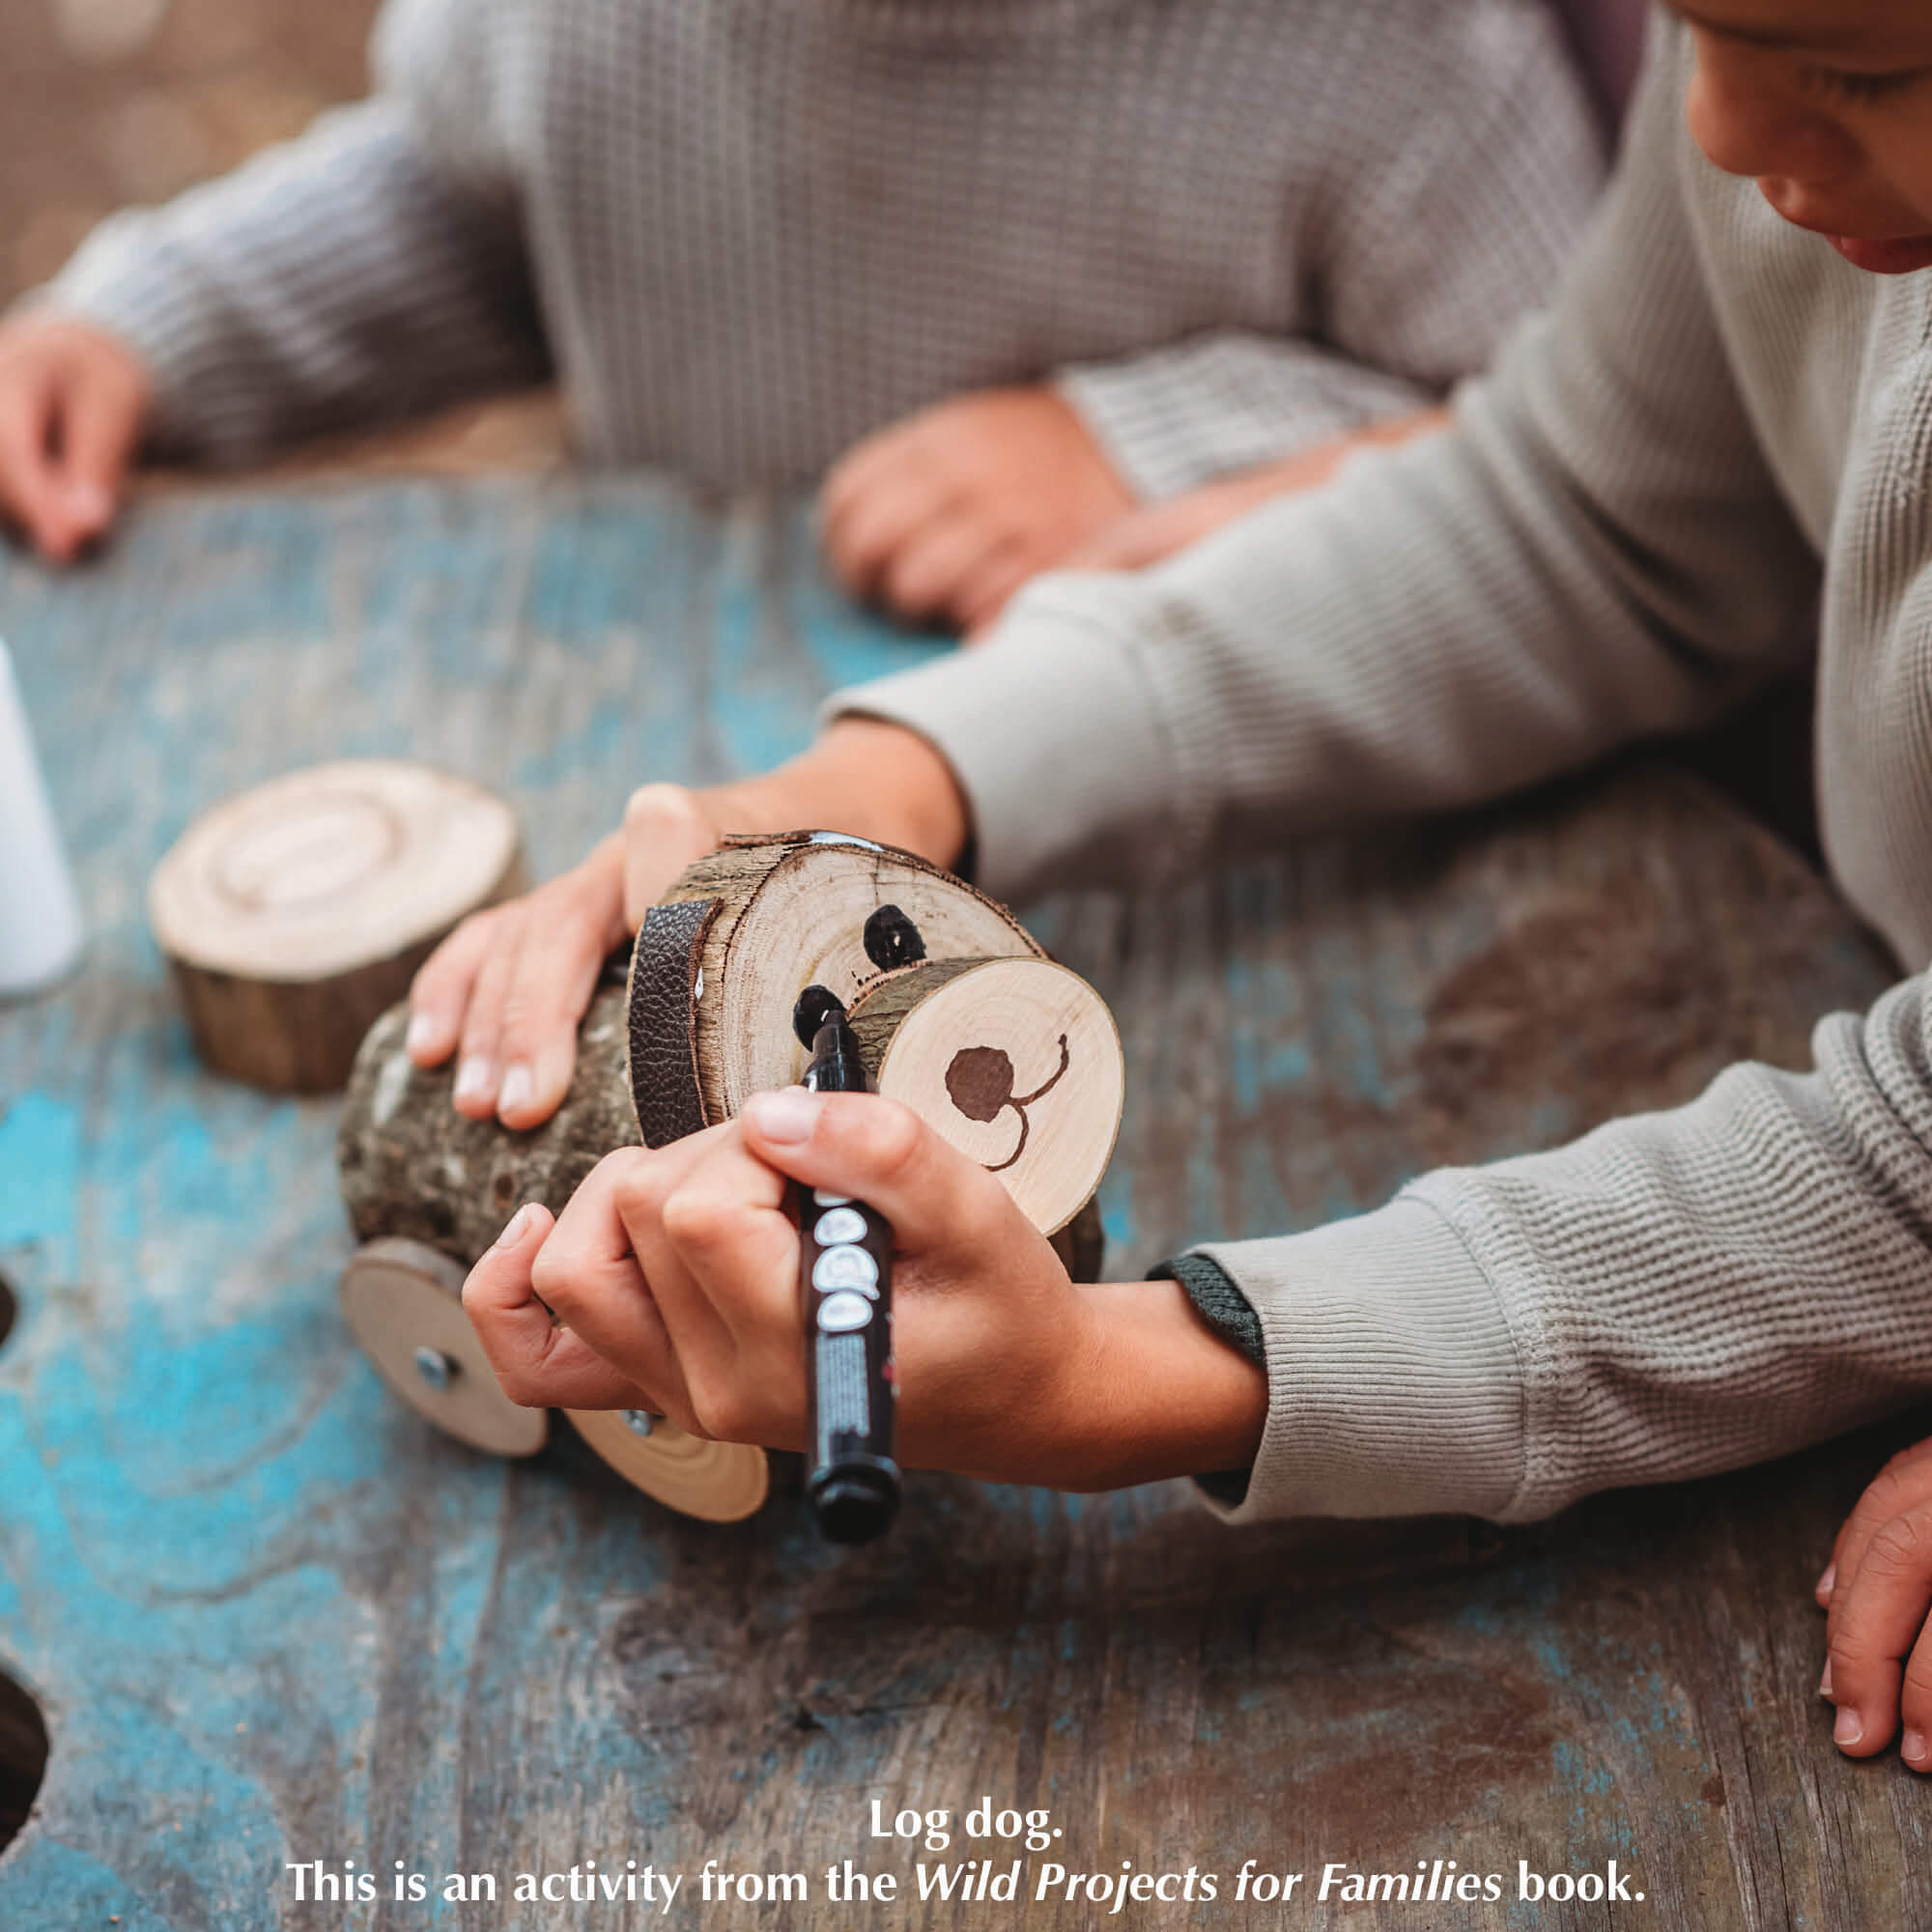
1899	256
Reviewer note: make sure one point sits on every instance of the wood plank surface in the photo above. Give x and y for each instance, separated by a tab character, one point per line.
271	1618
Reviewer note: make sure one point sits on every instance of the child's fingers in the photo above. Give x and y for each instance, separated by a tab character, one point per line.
1903	1481
100	420
549	987
1918	1458
605	1287
861	541
924	578
440	992
883	1153
858	472
700	1339
722	1255
479	1072
538	1364
1877	1615
1914	1705
28	476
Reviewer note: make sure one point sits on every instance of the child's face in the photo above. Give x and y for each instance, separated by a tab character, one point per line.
1829	105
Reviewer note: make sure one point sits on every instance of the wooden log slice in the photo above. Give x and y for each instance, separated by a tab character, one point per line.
1016	1061
404	1301
293	914
720	963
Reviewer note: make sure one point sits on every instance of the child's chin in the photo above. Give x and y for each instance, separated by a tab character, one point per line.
1903	257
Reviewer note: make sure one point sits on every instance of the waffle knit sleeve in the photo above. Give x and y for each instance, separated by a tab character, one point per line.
1674	1294
373	267
1454	222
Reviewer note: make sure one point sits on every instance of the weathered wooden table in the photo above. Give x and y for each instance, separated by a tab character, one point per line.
272	1619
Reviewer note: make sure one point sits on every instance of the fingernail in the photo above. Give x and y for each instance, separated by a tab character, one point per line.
1849	1728
1912	1746
786	1117
1825	1682
515	1227
517	1089
1823	1586
423	1034
475	1079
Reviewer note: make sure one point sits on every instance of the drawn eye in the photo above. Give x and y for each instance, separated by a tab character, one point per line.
891	939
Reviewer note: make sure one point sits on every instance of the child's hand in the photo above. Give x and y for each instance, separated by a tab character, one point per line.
1878	1588
675	1276
943	517
507	990
73	405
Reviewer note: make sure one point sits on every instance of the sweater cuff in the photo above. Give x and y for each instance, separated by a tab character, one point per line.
1394	1388
1230	1314
1066	749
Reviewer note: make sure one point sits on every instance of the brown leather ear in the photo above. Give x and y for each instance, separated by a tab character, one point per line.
663	1024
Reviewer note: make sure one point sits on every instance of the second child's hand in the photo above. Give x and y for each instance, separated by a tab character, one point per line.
506	991
74	402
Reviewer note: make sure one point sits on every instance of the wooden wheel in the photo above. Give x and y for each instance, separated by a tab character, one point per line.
404	1302
720	1482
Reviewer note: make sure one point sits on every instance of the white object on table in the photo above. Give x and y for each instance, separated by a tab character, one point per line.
40	916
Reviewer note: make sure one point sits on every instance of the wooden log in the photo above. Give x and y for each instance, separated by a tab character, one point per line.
1016	1061
411	1164
293	914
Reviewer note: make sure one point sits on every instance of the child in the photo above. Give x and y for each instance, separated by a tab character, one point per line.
950	248
1727	416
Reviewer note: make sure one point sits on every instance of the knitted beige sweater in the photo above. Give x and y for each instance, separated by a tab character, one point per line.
1721	420
746	233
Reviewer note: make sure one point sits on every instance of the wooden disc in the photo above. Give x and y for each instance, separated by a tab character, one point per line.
789	912
404	1301
1016	1061
720	1482
295	912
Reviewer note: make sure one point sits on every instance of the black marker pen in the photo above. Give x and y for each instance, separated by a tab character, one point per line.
845	1286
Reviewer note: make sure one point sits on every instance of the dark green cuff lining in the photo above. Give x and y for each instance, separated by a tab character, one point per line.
1231	1314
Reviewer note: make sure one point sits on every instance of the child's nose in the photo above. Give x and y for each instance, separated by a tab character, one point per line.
1749	120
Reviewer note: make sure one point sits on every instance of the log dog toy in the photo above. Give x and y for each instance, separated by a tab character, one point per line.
960	1013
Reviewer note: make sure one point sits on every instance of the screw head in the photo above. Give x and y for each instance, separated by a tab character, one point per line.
436	1368
639	1421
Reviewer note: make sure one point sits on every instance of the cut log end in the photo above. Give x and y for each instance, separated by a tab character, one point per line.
1016	1061
293	914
